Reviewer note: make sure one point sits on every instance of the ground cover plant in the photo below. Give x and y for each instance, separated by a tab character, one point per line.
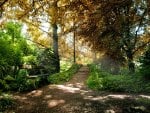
102	80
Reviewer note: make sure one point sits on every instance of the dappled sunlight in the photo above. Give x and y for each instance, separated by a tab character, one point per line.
107	97
48	96
83	92
145	96
101	98
77	85
53	103
109	111
119	96
35	93
68	89
20	97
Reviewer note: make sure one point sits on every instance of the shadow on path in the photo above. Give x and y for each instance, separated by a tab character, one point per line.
75	97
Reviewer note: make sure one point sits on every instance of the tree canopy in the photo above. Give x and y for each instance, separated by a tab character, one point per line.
109	27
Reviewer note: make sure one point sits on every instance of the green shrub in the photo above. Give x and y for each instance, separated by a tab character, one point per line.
122	83
3	85
94	83
9	78
23	83
5	102
63	76
101	80
145	72
32	83
145	67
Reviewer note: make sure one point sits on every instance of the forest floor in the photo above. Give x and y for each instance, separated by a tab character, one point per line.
75	97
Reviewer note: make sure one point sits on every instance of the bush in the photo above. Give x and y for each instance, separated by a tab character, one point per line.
47	60
101	80
63	76
145	67
5	102
9	78
123	83
23	83
3	85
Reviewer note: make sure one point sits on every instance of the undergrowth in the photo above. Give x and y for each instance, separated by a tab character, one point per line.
101	80
6	101
63	76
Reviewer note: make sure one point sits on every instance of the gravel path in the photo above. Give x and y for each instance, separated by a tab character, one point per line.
75	97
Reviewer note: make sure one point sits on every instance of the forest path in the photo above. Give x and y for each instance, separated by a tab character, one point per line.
73	97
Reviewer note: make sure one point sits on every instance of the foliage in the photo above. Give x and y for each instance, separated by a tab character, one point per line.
5	102
47	60
14	52
4	85
63	76
64	65
145	67
101	80
12	48
23	83
30	60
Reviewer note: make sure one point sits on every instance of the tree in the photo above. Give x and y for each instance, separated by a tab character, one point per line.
120	22
106	26
13	47
37	12
2	3
145	61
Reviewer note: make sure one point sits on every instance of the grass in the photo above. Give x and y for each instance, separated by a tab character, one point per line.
63	76
101	80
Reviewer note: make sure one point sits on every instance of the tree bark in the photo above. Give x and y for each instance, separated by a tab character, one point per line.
55	47
74	47
131	65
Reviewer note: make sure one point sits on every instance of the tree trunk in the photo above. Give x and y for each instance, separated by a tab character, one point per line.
115	67
55	47
74	48
131	64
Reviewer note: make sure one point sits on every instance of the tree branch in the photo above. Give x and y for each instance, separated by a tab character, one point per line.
141	47
2	3
140	24
37	43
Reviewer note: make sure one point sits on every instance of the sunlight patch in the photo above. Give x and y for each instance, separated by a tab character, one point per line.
145	96
78	85
35	93
53	103
103	98
47	96
68	89
119	96
109	111
20	97
96	98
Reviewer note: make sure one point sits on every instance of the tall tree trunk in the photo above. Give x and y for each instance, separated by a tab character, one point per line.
128	42
131	65
55	47
74	47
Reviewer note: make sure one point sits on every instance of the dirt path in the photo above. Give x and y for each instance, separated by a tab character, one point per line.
75	97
